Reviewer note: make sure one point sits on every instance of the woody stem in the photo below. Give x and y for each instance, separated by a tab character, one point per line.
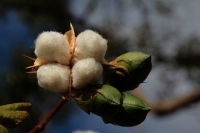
41	126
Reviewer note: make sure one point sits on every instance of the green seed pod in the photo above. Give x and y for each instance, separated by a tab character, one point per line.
127	71
101	100
134	112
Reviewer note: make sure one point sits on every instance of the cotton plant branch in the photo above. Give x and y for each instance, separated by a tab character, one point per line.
41	126
72	66
167	106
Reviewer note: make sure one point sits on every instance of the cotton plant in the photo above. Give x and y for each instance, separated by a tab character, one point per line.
73	66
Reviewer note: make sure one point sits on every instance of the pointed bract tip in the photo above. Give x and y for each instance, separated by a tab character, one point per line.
71	27
32	72
34	66
29	57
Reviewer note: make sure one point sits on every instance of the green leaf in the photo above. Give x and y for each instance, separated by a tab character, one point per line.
15	106
3	129
134	112
101	100
12	115
127	71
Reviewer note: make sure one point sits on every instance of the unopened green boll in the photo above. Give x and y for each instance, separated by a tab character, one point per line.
134	112
104	101
127	71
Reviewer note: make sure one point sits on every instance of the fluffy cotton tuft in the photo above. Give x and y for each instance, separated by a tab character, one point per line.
52	46
54	77
90	44
86	71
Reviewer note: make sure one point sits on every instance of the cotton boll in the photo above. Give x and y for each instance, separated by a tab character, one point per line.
52	46
90	44
86	71
54	77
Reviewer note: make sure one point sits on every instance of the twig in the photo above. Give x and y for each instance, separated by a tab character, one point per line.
168	106
40	127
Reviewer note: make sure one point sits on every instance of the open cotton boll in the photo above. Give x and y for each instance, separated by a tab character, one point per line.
86	71
54	77
52	46
90	44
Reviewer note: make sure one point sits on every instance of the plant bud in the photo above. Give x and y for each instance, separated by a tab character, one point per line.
127	71
104	100
134	112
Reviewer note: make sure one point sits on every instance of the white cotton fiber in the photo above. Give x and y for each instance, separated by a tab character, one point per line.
52	46
54	77
90	44
86	71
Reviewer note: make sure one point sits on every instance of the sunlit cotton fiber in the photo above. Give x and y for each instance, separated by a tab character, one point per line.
54	77
90	44
52	46
86	71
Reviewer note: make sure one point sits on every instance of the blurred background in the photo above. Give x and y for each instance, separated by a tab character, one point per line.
168	30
